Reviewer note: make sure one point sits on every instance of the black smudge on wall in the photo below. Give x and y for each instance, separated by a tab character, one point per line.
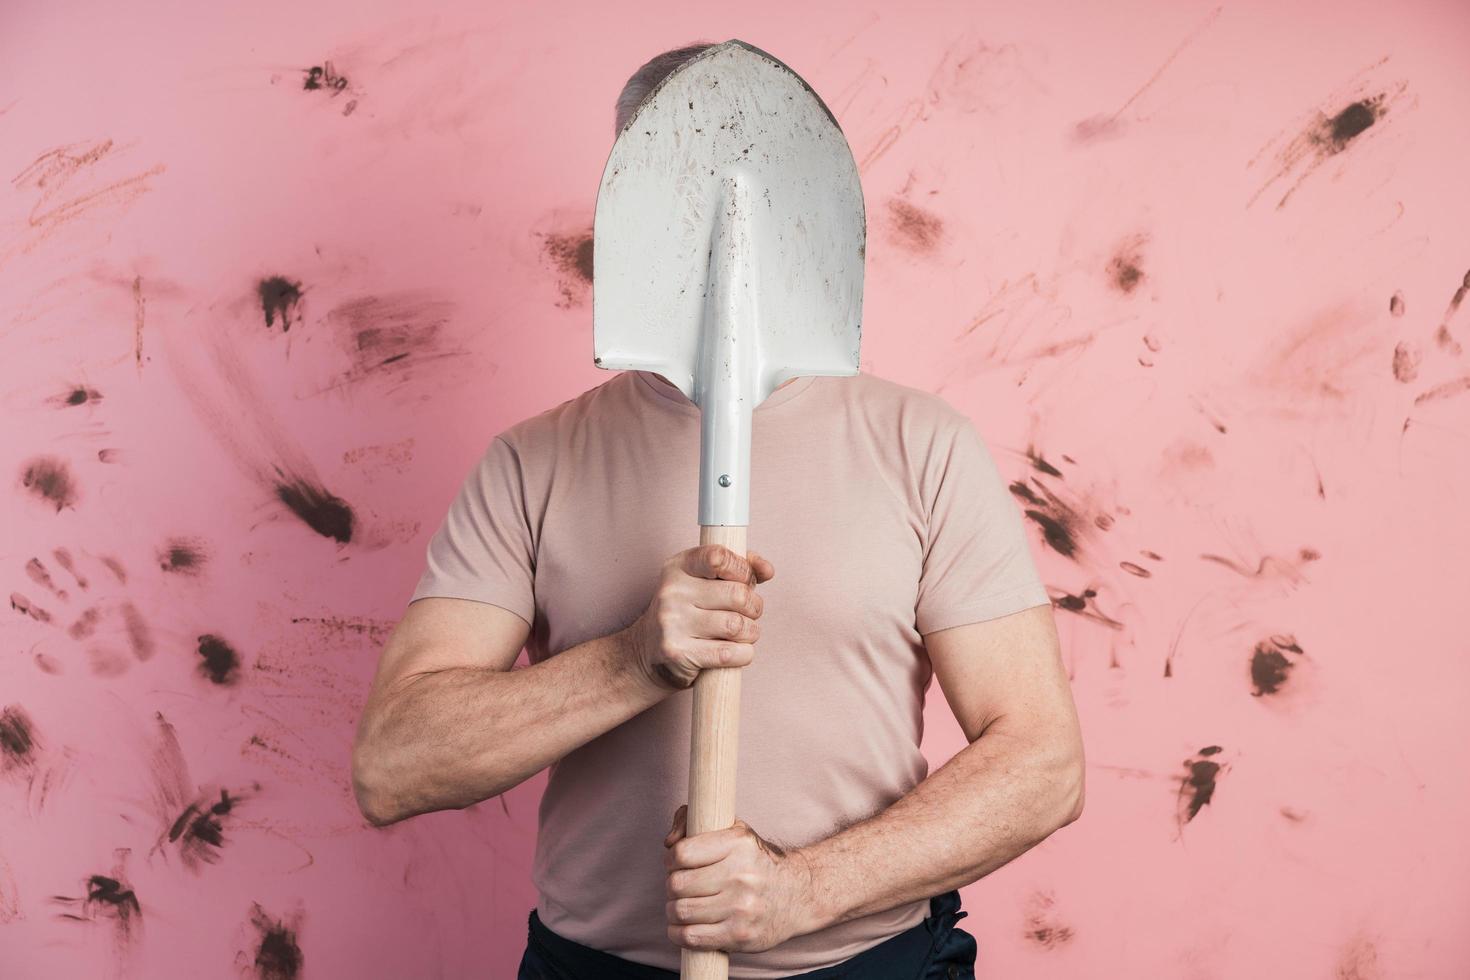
183	556
50	479
1271	663
106	898
18	740
571	255
279	298
1125	268
1043	927
1197	785
218	661
243	418
75	395
277	953
913	228
198	831
1328	134
322	511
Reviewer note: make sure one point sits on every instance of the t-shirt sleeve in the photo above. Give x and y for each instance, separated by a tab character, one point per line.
977	561
483	549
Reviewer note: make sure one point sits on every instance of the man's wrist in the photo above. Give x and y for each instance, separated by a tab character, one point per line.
628	662
814	908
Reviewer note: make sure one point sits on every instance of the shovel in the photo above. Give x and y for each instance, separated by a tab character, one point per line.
728	248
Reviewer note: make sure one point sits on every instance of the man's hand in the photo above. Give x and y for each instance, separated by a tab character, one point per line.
733	890
702	615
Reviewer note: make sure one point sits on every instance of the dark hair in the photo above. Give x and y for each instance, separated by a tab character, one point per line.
646	79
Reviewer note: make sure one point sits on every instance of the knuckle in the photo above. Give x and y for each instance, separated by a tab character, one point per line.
735	624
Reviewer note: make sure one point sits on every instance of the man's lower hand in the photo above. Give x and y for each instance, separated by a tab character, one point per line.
733	890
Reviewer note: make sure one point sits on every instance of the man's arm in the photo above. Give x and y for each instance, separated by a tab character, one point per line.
1019	779
448	723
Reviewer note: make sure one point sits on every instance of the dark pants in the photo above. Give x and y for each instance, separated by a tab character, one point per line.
935	949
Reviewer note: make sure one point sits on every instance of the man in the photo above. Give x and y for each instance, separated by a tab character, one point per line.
901	557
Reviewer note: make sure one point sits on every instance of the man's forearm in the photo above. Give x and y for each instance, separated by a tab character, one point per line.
450	738
997	798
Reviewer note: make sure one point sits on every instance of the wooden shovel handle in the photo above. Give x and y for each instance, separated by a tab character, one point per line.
714	737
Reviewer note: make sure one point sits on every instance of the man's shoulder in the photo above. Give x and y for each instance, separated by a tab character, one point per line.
911	408
545	428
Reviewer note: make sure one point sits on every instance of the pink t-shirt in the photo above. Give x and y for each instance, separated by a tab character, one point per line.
885	517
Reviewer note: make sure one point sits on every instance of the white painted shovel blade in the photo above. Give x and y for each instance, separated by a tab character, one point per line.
732	112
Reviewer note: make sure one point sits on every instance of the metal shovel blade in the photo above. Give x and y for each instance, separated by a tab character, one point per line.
728	249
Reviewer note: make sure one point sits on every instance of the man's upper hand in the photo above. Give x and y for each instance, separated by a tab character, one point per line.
703	614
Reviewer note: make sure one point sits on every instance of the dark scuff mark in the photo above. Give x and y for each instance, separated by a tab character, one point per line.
50	479
1270	665
37	572
323	77
1043	928
914	228
85	624
25	607
77	394
140	635
1085	605
1349	122
1270	565
64	559
1039	462
116	568
1125	269
199	831
219	662
390	337
1448	389
1327	136
1060	524
18	740
571	254
1442	337
108	897
1396	303
278	953
279	297
109	455
244	419
340	630
393	340
1135	569
1406	360
323	512
1197	786
183	556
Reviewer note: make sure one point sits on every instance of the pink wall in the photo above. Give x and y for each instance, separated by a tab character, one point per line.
1195	271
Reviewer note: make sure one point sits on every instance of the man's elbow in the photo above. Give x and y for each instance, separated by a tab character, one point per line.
367	788
1071	780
